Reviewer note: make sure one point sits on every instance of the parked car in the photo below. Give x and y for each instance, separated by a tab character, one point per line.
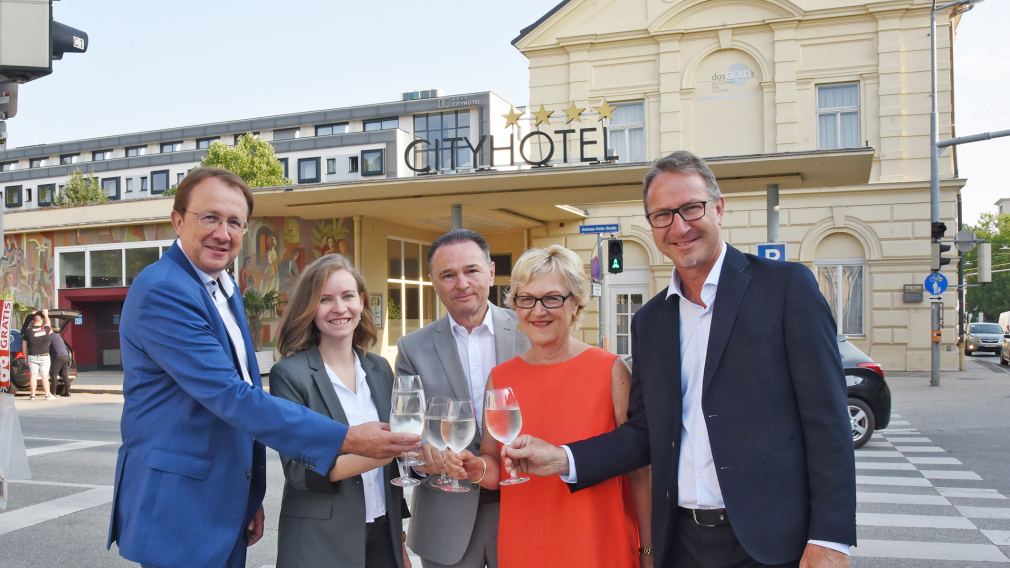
21	379
984	337
869	395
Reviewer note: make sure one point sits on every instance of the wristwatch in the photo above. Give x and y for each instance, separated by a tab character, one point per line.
646	550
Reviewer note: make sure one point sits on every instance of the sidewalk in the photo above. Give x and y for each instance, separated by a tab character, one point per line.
110	382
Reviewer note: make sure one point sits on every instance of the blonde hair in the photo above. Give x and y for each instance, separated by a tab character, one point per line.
298	329
554	259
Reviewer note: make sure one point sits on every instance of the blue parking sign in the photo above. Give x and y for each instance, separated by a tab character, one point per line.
772	251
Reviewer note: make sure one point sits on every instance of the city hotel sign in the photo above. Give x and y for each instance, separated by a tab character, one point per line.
573	141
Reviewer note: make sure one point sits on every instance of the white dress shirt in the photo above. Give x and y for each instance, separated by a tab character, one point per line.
477	356
215	287
360	408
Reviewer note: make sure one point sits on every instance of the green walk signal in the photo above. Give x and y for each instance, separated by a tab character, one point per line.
615	248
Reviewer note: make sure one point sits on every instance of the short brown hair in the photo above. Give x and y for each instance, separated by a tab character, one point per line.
298	329
197	175
681	162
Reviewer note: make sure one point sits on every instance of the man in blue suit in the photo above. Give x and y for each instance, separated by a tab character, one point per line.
738	400
190	477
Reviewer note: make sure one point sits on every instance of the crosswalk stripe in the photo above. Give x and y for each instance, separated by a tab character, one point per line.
892	466
930	460
911	440
53	509
985	512
913	521
999	538
942	474
881	444
899	423
898	481
891	431
900	498
970	492
80	445
878	454
929	550
920	449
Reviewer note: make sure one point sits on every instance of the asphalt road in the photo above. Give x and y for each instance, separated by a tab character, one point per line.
932	488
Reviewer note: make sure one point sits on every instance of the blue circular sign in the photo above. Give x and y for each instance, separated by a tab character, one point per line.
935	284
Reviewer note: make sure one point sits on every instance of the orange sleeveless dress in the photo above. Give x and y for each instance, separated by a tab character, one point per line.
541	522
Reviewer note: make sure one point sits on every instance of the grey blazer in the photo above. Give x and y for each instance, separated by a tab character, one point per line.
323	523
443	522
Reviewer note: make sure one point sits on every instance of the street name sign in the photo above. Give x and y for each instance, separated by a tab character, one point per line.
589	229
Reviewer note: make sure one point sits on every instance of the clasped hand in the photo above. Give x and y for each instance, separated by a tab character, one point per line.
463	465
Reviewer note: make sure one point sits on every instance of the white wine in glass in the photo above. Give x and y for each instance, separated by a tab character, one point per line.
458	429
433	432
504	421
409	384
406	417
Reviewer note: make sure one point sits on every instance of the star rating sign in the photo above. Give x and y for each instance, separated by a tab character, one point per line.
512	118
606	111
543	115
573	112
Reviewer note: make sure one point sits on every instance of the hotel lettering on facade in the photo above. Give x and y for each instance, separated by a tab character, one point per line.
822	105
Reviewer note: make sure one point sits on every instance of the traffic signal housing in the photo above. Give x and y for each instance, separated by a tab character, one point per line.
937	260
615	250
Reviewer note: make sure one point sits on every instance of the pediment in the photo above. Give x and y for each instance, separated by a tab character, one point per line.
707	14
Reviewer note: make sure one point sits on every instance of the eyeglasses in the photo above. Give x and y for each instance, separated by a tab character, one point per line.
550	302
212	222
691	212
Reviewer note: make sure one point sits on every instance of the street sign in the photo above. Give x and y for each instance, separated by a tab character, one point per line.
595	272
772	251
588	229
595	290
935	283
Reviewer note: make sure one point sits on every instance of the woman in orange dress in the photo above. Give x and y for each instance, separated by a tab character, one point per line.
566	390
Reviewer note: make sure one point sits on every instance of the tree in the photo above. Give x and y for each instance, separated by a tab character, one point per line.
990	298
251	159
80	190
258	304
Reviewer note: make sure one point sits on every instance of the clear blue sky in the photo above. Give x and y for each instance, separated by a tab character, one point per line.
153	65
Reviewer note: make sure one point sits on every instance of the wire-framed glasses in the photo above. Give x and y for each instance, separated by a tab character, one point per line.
212	222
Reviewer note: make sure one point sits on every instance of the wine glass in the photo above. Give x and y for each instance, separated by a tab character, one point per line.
458	429
410	384
503	420
433	432
406	416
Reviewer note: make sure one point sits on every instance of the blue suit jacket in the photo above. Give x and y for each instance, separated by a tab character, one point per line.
191	470
774	399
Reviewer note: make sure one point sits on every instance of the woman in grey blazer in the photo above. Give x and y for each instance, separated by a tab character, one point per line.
353	517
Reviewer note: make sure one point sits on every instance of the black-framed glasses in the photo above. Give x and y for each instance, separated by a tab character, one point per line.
693	211
212	222
551	301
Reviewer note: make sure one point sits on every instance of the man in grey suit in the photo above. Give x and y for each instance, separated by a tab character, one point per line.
454	357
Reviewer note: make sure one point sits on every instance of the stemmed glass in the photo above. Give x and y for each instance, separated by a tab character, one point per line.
503	420
458	429
433	432
406	416
410	384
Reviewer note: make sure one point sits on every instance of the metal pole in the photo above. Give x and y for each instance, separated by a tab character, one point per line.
457	216
773	212
934	194
602	341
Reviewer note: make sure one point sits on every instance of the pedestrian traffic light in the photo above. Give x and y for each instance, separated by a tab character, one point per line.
615	248
32	40
937	259
937	230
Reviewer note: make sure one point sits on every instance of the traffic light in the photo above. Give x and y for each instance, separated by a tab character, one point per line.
615	250
937	260
937	230
32	40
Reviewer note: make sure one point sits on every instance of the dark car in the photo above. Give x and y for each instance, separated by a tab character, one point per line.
20	374
869	395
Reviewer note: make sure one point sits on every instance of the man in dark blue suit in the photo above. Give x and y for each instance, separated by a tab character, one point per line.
190	477
738	400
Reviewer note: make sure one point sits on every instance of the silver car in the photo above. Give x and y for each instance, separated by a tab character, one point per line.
983	337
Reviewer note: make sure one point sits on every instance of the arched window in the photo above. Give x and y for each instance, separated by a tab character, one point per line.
841	269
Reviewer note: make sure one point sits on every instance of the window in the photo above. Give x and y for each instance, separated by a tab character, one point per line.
106	268
8	166
204	143
381	124
129	185
371	163
159	181
842	285
38	162
169	147
143	183
71	270
134	151
105	265
626	133
837	116
99	155
178	178
352	164
284	163
12	196
411	303
625	306
111	187
137	259
255	134
442	126
308	170
28	195
331	165
67	159
502	264
47	192
329	129
286	134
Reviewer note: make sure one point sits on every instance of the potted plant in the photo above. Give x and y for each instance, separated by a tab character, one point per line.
257	305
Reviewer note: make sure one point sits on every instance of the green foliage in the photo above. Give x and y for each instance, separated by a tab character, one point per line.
251	159
990	298
170	192
258	304
21	309
80	190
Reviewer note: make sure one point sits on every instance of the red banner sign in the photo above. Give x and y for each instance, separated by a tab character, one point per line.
6	312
